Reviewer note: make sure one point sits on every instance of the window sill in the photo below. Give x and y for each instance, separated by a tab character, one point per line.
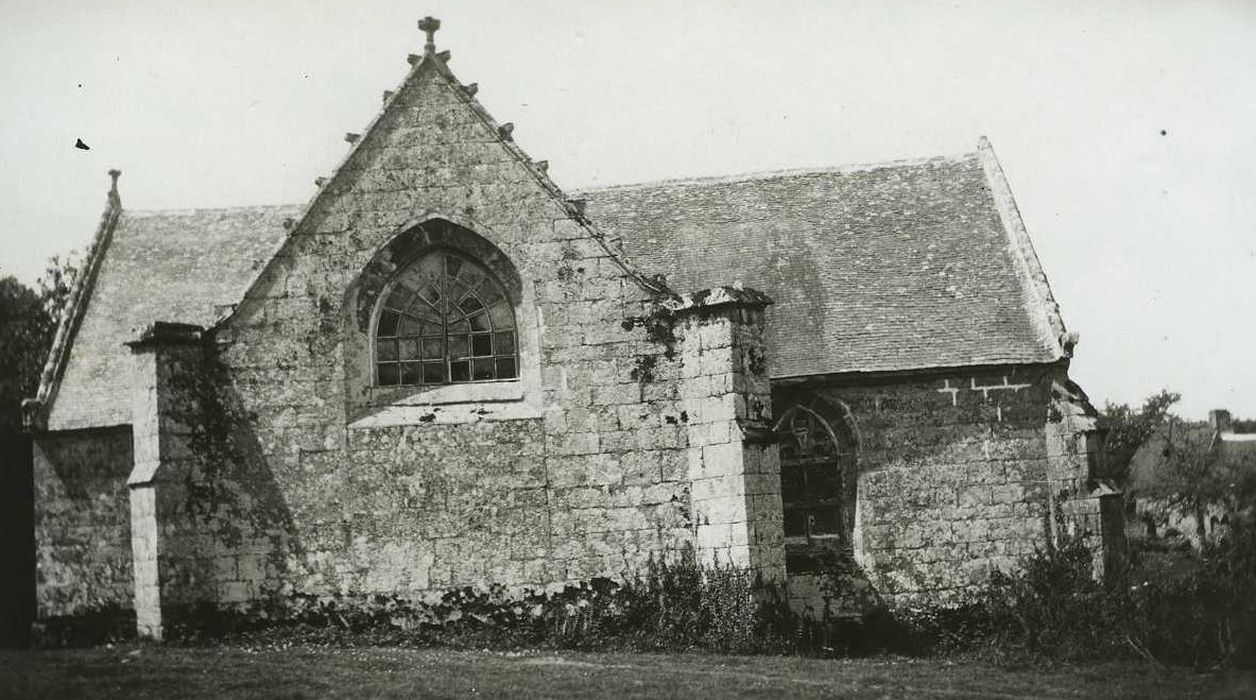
446	404
509	390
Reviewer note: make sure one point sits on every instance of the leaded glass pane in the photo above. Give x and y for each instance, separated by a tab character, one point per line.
482	369
410	373
387	324
388	373
455	291
433	348
504	343
506	368
459	347
431	294
433	372
409	350
460	371
410	326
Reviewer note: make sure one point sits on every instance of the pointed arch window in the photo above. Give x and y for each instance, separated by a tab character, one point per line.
818	454
445	319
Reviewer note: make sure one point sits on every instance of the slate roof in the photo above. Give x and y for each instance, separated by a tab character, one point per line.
885	267
183	266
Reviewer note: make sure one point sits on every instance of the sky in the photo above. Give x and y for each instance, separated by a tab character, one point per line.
1125	128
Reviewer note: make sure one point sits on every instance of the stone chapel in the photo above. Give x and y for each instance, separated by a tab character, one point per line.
445	370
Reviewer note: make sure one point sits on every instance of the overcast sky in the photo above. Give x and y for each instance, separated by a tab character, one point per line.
1126	128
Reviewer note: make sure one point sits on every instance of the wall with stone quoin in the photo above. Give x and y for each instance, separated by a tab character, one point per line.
204	527
82	521
953	478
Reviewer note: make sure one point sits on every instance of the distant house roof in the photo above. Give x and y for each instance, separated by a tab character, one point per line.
181	266
887	267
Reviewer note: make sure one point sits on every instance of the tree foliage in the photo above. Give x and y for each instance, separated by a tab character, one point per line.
1243	426
1128	428
28	322
25	328
1197	473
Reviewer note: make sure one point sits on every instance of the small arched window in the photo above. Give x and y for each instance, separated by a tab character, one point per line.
445	319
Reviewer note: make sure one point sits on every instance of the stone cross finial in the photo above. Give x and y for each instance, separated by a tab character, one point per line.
429	25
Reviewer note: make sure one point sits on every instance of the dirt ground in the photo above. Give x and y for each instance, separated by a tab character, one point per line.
149	671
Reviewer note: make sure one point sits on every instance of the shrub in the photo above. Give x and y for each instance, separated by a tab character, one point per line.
674	605
1204	616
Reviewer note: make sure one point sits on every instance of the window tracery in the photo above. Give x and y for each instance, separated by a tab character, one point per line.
445	319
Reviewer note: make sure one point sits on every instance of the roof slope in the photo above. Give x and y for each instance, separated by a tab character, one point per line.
158	266
887	267
896	266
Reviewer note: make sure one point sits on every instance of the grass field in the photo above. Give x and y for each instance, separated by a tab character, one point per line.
137	671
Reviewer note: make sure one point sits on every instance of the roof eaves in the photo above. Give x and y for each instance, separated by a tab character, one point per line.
1046	312
898	371
35	411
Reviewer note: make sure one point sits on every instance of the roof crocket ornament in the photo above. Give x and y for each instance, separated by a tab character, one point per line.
429	25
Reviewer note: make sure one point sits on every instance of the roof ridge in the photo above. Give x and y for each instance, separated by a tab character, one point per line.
197	210
784	172
36	409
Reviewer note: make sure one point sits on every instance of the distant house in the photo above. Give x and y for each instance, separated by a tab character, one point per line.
1160	474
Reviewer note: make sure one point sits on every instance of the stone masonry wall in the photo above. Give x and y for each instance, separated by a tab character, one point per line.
952	478
82	523
632	456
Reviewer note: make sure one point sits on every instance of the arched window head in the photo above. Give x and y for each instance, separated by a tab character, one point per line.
445	319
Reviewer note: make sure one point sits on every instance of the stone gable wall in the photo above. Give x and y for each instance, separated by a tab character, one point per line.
587	474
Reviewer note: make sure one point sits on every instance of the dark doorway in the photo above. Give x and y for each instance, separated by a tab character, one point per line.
17	540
